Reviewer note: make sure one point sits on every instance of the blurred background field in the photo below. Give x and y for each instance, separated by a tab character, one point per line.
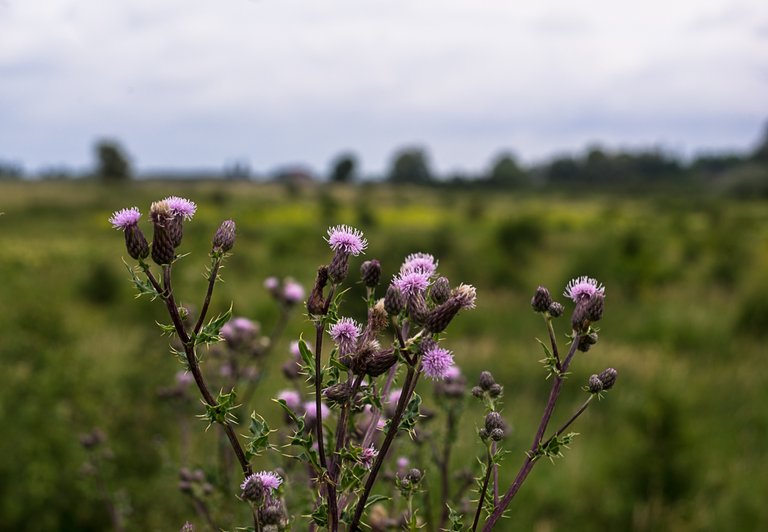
679	444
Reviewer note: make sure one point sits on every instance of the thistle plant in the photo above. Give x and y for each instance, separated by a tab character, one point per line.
354	387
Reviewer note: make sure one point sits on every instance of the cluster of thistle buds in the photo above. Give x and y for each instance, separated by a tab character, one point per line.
167	217
261	490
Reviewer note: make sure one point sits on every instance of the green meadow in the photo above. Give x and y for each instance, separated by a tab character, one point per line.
680	443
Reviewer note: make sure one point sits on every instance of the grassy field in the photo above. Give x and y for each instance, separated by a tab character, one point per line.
680	444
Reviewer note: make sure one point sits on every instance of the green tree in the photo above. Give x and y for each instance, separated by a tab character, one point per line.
112	163
344	168
506	172
410	165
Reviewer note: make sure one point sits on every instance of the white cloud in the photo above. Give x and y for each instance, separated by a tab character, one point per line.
188	82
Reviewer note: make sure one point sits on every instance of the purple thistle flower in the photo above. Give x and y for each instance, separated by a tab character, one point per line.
346	239
411	283
419	262
293	292
181	207
436	362
583	288
452	373
345	333
125	218
394	396
291	397
265	479
367	456
465	294
310	409
184	378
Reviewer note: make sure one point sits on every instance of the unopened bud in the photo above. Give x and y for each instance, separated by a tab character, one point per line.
394	302
493	421
483	434
555	309
595	385
486	380
495	390
440	291
541	300
579	319
315	301
497	434
370	271
224	238
338	393
417	308
608	378
587	341
414	475
380	362
439	317
477	391
595	307
272	513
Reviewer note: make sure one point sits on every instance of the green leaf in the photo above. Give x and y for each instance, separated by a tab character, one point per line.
258	442
223	411
210	332
143	288
320	515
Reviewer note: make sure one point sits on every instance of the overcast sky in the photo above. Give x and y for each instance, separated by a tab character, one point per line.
186	83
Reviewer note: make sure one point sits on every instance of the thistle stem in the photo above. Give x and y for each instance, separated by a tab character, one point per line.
488	469
530	459
209	293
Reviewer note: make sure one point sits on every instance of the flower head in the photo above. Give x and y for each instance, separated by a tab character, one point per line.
293	292
583	288
271	284
465	294
367	456
436	362
452	373
419	262
411	283
291	397
310	408
181	207
125	218
346	239
345	332
255	486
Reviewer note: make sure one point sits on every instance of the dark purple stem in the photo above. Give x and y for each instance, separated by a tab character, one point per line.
484	489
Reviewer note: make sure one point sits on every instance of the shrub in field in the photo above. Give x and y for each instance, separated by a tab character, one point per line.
348	405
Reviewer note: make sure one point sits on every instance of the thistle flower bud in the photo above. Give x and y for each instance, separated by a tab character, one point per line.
380	362
224	238
541	300
417	308
136	243
608	378
486	380
414	475
315	301
163	248
175	230
272	513
497	434
439	317
595	306
188	527
370	271
440	291
339	267
595	385
493	421
587	341
555	309
579	319
495	390
338	393
394	302
477	391
483	433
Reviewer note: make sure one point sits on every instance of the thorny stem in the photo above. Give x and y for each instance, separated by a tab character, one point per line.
189	350
494	446
568	423
329	485
553	342
444	462
341	427
408	386
530	459
488	469
211	282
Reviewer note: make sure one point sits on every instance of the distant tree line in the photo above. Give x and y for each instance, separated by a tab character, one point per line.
743	173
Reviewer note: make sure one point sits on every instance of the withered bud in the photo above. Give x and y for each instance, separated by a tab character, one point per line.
541	300
378	318
439	317
608	378
555	309
440	291
315	301
595	307
359	360
338	393
136	243
595	385
370	271
339	267
417	308
394	301
486	380
380	362
224	238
